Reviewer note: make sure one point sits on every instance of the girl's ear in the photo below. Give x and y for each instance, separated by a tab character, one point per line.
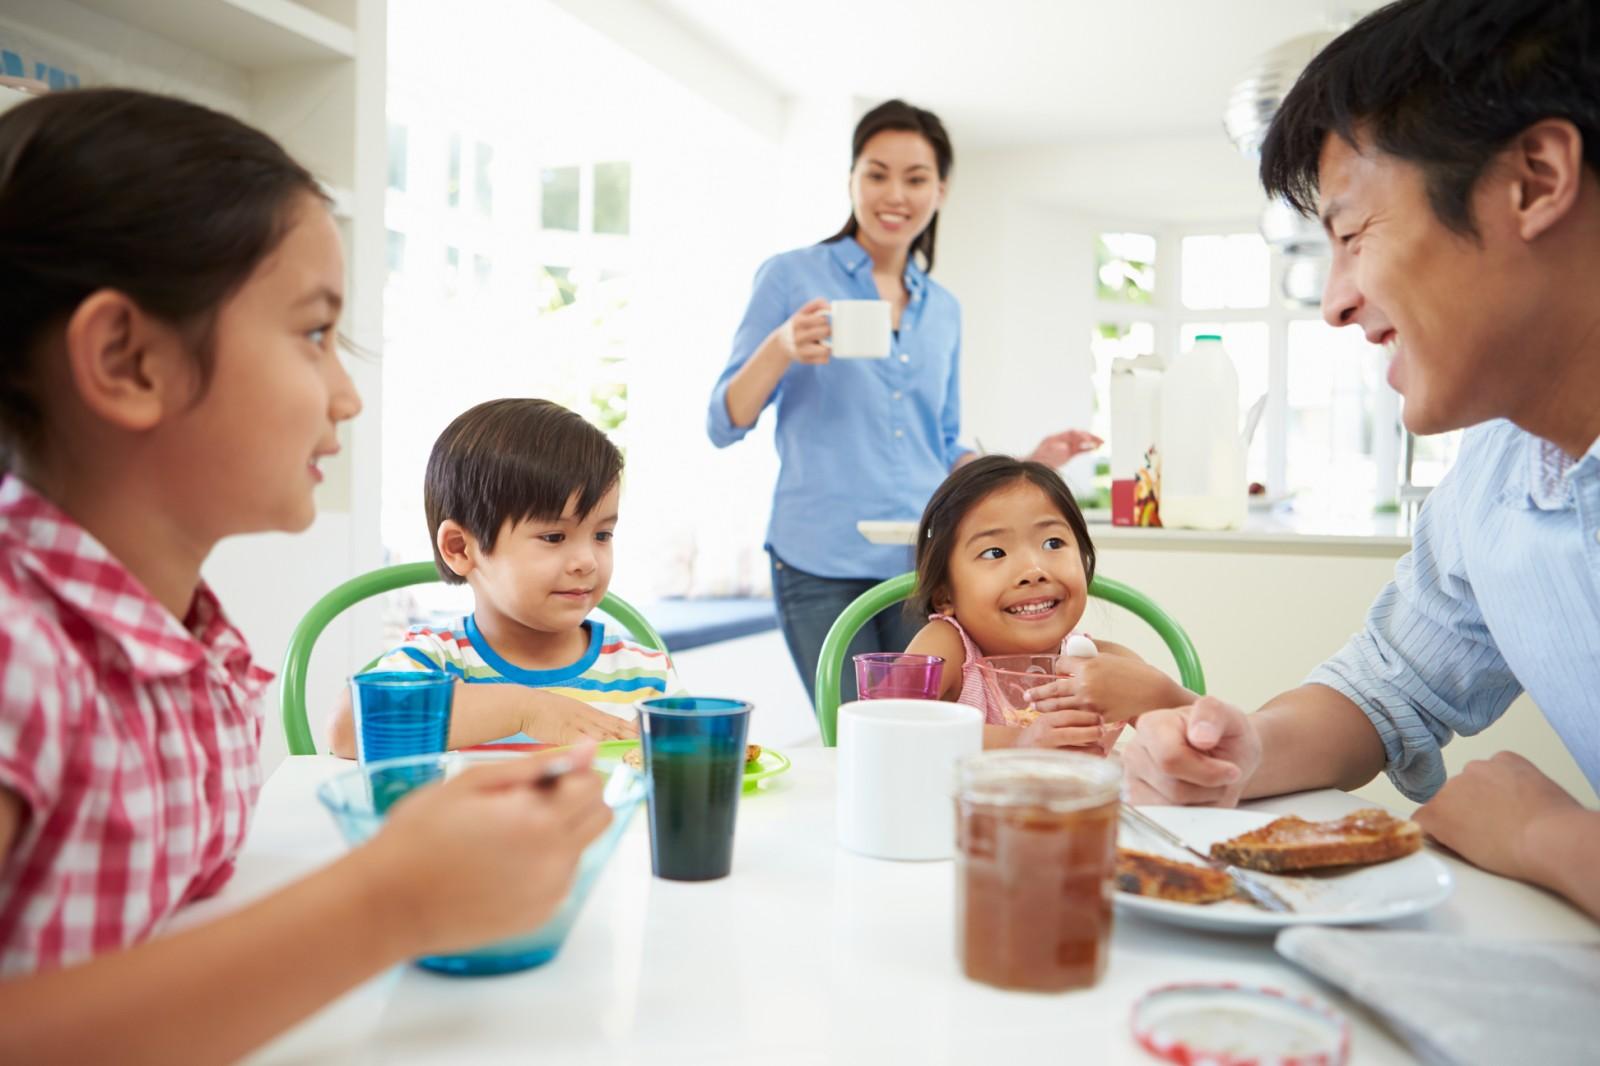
941	599
129	369
457	547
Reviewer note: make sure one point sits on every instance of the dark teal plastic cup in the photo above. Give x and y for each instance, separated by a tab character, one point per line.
694	750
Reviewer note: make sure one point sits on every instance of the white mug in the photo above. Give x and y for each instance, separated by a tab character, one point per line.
897	775
860	329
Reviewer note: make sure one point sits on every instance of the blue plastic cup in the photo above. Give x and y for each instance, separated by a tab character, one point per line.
694	750
400	713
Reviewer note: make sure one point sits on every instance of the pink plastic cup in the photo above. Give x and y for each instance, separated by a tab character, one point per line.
896	676
1008	679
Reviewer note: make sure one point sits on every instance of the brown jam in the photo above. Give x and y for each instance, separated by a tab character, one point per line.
1033	893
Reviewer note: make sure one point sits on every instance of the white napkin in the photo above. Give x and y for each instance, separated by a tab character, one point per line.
1462	1001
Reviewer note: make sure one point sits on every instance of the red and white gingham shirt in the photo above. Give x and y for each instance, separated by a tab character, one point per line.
131	739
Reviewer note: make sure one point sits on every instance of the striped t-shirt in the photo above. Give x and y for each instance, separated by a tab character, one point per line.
612	675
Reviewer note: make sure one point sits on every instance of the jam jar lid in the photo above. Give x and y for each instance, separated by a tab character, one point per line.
1227	1024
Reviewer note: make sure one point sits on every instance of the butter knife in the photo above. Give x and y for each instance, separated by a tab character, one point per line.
1245	883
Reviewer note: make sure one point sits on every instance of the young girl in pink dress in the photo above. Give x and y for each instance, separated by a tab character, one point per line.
1003	568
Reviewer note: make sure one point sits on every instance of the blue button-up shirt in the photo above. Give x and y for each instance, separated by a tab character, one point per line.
857	438
1500	593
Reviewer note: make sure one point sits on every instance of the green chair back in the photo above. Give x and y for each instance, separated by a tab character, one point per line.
830	664
292	694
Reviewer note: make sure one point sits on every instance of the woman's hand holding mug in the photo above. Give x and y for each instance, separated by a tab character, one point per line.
803	338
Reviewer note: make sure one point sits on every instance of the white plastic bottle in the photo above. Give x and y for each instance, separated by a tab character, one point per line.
1202	459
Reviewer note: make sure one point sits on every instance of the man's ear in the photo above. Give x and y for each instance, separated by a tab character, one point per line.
1547	171
128	368
457	547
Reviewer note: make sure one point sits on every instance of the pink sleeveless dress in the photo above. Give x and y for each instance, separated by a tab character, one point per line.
974	693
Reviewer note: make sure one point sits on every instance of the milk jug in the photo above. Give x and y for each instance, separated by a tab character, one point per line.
1202	458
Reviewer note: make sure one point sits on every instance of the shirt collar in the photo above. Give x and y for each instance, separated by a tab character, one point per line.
79	571
847	251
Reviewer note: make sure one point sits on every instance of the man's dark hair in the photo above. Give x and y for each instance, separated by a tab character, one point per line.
516	459
963	490
1444	84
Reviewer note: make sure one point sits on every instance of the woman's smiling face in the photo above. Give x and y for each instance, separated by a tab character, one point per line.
895	188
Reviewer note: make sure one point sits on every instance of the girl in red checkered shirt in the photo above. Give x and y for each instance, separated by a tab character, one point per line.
169	377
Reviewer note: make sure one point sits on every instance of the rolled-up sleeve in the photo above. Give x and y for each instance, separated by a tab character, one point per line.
768	309
1424	667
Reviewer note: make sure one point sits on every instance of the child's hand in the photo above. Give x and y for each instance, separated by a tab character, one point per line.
1083	730
482	855
1113	686
563	720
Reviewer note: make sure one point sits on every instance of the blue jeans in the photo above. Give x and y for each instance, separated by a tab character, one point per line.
807	606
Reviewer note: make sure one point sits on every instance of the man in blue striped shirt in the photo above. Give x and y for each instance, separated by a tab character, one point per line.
1453	153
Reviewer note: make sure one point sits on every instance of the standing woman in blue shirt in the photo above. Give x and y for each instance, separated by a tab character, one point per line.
860	438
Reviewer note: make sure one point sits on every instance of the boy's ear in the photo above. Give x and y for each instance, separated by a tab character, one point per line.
457	547
129	369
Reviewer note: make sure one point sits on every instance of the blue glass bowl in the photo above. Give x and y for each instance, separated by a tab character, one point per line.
349	798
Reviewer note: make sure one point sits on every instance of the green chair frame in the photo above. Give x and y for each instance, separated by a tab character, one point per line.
292	695
830	664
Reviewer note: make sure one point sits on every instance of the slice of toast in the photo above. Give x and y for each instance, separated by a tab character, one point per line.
1290	843
1144	874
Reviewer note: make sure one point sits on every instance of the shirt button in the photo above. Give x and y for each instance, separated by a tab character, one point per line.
898	394
905	358
1597	536
899	433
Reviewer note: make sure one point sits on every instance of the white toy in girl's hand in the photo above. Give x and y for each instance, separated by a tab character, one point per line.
1080	646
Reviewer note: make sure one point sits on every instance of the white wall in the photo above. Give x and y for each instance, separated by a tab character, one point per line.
1016	247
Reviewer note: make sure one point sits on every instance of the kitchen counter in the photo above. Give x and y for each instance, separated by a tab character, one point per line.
1280	531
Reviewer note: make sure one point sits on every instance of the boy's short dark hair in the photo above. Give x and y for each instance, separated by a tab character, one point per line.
960	493
1443	84
516	459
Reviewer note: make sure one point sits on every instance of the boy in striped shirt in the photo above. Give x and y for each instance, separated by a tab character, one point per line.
521	498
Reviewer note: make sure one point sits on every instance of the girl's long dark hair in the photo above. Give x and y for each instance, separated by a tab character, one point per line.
899	115
170	203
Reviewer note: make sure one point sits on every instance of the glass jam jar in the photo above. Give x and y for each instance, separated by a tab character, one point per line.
1036	844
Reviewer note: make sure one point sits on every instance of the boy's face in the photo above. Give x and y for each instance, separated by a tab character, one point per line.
548	575
1016	576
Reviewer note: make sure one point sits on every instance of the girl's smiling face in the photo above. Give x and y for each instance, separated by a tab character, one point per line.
1017	582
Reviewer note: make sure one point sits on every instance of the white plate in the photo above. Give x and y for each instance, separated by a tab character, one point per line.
883	532
1360	896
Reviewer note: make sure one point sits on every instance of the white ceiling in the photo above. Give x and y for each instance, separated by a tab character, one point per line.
1004	73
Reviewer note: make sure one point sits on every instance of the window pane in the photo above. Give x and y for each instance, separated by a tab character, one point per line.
1108	341
483	179
453	178
1225	271
1246	343
1334	378
397	157
555	289
558	204
397	252
611	187
452	270
1125	267
482	270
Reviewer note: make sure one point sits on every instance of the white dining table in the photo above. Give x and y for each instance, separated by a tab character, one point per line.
806	953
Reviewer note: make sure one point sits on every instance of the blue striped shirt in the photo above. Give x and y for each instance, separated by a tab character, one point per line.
857	438
1500	593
